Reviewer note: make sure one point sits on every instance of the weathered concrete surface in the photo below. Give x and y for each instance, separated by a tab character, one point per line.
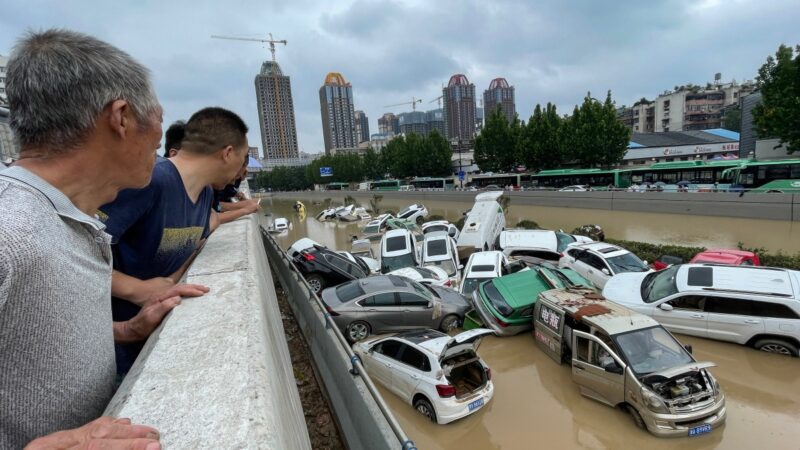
217	372
722	204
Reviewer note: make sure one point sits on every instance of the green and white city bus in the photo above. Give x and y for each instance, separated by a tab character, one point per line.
766	176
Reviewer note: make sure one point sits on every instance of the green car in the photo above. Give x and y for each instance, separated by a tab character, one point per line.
505	304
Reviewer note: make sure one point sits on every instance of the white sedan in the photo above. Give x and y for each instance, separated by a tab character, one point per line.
430	275
599	261
441	376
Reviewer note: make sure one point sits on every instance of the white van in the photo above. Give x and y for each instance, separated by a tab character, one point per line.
483	225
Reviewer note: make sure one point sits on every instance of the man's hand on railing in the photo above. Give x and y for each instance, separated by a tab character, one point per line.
104	433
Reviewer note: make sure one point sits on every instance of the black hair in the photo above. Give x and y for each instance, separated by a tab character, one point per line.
173	137
212	129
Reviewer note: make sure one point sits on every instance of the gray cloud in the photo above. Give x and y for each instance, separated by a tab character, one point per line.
390	50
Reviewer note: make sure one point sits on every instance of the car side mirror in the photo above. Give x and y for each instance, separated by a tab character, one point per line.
645	262
613	367
688	348
460	266
430	304
605	271
665	307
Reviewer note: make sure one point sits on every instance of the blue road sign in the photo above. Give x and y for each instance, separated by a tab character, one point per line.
325	171
461	175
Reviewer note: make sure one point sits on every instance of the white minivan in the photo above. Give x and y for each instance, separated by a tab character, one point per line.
399	249
482	226
439	250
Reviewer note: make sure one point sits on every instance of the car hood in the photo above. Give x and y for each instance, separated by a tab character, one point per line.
467	340
625	288
673	372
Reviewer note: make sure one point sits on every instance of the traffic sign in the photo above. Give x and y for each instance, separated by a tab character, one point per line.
461	175
326	171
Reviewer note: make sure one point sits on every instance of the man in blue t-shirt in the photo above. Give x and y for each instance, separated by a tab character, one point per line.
156	230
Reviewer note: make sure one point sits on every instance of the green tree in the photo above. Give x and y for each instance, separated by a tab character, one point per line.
540	144
778	114
372	164
733	119
495	147
593	134
440	155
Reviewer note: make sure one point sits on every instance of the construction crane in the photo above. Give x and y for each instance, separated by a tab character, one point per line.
438	101
284	152
413	103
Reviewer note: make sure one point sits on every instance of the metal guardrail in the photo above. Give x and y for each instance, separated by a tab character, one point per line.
317	326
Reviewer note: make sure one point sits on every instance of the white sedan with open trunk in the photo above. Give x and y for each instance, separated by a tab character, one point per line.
441	376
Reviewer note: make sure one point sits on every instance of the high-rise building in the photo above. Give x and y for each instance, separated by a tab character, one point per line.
459	108
413	122
362	127
253	153
276	113
694	108
338	114
501	95
3	66
640	117
478	119
435	120
388	123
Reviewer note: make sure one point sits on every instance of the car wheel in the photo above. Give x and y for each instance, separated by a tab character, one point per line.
316	282
424	407
778	346
357	331
449	323
420	220
637	418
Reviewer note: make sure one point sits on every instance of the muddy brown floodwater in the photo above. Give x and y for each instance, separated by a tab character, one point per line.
536	405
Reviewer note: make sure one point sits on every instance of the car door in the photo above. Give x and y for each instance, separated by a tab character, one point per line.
408	373
604	384
338	268
415	310
382	312
683	314
592	266
733	319
382	361
779	319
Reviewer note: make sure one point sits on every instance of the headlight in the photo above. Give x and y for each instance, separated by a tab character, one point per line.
653	401
714	384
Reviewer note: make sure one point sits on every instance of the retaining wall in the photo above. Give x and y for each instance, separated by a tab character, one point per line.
217	372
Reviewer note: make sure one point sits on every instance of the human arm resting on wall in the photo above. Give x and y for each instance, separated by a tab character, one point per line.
139	292
103	433
248	207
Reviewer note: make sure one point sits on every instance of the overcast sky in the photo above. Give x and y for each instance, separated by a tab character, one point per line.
549	50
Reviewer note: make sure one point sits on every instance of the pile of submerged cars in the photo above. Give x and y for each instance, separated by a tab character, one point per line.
594	306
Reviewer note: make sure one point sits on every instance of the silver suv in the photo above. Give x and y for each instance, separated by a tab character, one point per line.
754	306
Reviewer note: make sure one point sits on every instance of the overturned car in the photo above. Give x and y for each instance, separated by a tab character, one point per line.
626	359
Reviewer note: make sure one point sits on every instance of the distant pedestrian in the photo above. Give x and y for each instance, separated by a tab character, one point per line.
88	124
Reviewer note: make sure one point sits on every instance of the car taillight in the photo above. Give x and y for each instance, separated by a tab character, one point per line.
448	283
488	373
309	256
446	390
331	311
500	322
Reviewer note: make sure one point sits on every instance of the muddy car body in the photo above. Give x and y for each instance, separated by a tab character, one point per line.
627	360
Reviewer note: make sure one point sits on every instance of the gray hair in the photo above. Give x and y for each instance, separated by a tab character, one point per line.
59	81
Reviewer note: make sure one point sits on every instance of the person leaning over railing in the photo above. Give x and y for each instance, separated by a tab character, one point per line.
88	123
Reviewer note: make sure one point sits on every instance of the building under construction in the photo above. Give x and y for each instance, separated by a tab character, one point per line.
276	113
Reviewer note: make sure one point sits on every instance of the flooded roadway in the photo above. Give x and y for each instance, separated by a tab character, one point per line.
537	406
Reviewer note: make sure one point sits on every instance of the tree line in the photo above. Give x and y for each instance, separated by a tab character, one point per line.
403	157
591	137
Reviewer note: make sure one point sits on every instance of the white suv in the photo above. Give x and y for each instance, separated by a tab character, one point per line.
599	261
754	306
414	213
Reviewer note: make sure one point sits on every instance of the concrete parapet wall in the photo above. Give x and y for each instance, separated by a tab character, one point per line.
722	204
217	372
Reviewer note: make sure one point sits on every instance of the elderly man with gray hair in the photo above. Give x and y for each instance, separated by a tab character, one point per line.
89	124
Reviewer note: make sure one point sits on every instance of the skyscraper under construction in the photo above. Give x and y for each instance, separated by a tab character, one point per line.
276	113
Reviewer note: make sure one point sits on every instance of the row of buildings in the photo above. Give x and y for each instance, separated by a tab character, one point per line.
685	108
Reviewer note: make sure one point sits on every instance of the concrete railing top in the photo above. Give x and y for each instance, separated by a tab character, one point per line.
217	372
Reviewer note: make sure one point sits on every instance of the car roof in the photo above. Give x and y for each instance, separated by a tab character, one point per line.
529	238
521	288
377	283
492	257
605	249
396	232
742	279
610	317
435	223
722	256
436	235
421	336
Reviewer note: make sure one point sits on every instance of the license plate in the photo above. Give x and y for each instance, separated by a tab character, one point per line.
476	404
702	429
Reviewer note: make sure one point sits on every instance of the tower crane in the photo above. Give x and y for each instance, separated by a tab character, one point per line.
413	103
283	151
438	101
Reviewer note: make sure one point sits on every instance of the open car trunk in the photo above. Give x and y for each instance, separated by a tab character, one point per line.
465	372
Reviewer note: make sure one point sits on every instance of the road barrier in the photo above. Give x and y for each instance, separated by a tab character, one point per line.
364	418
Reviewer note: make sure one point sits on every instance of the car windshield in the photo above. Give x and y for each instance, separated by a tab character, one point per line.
349	291
497	300
390	263
658	285
652	350
395	243
372	228
446	264
470	284
564	240
627	263
426	273
437	247
432	228
483	268
422	290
